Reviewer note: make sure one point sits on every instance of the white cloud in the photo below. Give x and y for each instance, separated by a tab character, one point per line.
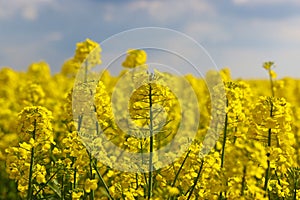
30	12
27	9
280	32
109	12
169	10
207	30
53	37
264	2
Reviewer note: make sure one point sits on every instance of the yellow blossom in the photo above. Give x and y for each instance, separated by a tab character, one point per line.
76	195
90	185
135	57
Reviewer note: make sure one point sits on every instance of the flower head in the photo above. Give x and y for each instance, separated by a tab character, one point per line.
88	51
135	57
90	185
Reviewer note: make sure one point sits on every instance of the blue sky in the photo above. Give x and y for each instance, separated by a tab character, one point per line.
239	34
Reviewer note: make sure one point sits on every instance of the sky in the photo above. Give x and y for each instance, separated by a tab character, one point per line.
238	34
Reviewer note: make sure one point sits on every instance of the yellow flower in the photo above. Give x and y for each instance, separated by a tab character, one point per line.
22	188
31	94
173	191
135	57
103	105
88	51
25	146
36	120
76	195
40	172
70	68
273	74
14	172
39	71
55	151
90	185
268	65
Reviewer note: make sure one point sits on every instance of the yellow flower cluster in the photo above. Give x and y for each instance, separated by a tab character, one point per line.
135	57
46	153
30	158
268	66
88	51
33	94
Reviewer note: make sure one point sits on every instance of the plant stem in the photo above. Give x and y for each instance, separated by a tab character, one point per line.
295	185
74	175
244	181
179	170
62	187
92	193
279	183
29	192
46	183
196	180
137	181
85	70
272	84
151	144
224	144
268	155
181	166
30	189
224	141
102	180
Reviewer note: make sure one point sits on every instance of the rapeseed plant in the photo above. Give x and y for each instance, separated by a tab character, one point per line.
48	153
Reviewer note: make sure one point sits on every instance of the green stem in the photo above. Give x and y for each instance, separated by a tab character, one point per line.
92	193
45	184
235	130
29	192
80	117
62	187
295	186
220	196
269	137
179	170
278	180
30	189
224	144
75	170
85	70
272	84
196	180
224	141
102	180
137	181
244	181
181	166
74	176
267	176
297	146
268	155
151	145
